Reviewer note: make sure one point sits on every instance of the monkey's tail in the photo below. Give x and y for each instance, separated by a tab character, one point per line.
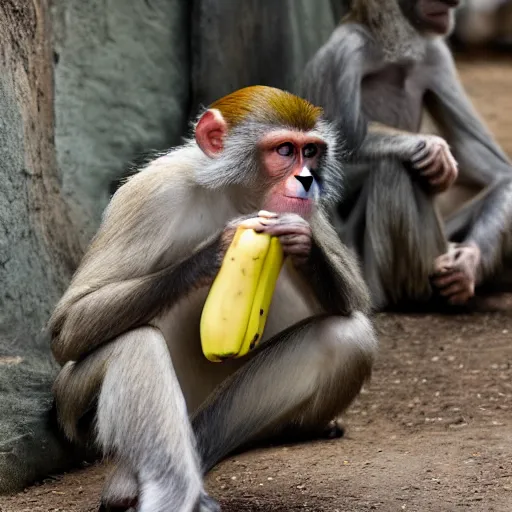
404	232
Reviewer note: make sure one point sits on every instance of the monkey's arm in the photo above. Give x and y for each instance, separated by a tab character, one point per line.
332	271
383	141
481	162
141	262
105	311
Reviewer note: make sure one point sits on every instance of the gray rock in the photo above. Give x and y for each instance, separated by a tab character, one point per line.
121	89
38	247
254	42
30	444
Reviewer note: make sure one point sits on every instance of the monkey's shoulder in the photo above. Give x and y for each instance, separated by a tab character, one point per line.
352	34
165	184
347	39
438	53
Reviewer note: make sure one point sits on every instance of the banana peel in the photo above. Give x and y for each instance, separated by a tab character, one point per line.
236	309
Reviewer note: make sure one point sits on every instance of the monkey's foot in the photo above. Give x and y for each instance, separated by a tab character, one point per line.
334	429
300	434
126	506
207	504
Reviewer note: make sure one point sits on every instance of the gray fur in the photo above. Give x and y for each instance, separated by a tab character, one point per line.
394	32
139	385
369	85
482	163
127	330
121	486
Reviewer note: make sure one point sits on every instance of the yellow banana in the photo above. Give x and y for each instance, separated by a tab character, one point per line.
263	296
243	287
229	302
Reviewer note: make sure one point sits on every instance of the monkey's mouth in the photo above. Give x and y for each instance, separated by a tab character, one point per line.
440	9
438	17
440	12
300	205
299	199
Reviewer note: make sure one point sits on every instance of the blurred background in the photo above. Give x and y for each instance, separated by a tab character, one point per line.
484	24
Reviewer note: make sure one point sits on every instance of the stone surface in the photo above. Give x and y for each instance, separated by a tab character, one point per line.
38	246
121	90
29	446
254	42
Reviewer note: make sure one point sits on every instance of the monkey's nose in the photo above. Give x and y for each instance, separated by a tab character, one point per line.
305	181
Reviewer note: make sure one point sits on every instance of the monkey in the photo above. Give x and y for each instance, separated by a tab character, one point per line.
384	66
126	331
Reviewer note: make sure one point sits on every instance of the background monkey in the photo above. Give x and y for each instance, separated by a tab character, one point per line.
127	329
384	64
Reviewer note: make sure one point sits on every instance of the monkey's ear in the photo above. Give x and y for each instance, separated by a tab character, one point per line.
210	132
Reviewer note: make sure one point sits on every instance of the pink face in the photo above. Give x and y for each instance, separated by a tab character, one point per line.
291	157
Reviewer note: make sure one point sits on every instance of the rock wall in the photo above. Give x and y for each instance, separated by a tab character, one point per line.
38	245
121	89
236	44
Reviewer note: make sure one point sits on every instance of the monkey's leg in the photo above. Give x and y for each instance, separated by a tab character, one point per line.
308	373
497	238
142	418
120	490
403	236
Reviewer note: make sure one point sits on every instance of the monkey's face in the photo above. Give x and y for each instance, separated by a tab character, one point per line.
291	161
273	147
430	16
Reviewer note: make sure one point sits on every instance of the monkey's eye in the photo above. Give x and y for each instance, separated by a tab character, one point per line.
285	149
310	150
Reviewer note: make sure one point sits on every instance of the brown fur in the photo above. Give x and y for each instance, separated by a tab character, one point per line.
268	105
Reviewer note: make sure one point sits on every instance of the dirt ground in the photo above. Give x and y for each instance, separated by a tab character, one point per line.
432	431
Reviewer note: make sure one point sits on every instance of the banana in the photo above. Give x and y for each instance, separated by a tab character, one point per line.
231	323
263	296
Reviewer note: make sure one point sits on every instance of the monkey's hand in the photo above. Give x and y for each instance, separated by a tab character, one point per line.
293	231
434	161
456	272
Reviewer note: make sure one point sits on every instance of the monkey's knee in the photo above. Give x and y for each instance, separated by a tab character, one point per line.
348	344
139	382
348	347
